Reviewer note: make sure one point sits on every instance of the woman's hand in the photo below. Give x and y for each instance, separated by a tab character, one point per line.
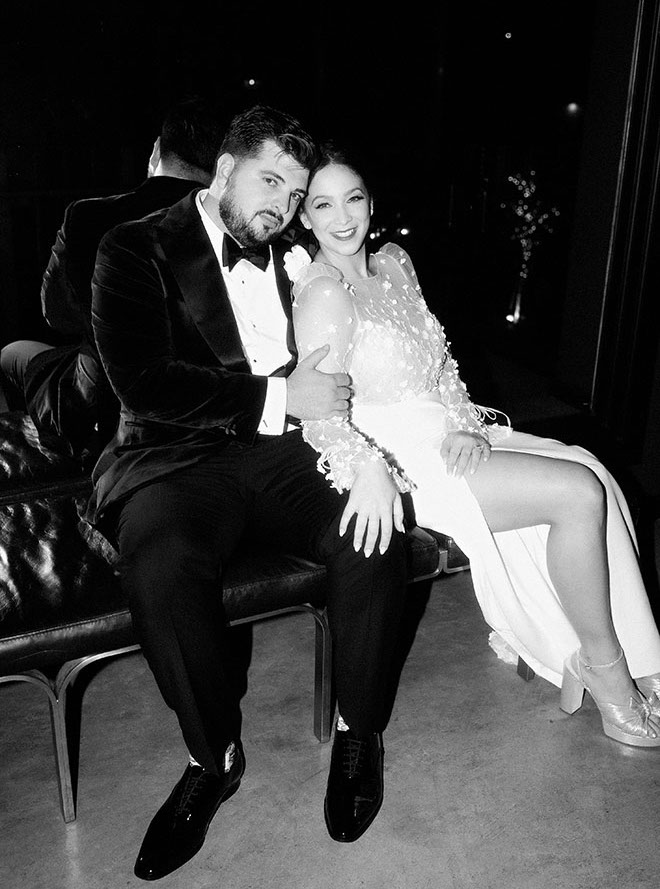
376	503
464	450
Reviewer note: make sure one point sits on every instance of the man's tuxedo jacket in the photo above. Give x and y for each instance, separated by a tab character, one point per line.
66	390
171	348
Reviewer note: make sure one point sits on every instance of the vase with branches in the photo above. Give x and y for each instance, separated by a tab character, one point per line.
531	222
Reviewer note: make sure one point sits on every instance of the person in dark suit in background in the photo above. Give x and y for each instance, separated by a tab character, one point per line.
192	318
64	387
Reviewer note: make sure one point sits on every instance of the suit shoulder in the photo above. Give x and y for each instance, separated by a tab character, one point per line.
87	219
91	208
132	232
98	215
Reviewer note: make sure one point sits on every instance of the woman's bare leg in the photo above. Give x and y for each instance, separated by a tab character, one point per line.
520	490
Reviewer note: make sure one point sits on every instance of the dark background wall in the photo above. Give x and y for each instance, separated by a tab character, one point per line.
609	357
447	101
444	103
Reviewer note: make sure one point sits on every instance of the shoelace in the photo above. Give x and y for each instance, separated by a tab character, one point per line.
353	752
192	788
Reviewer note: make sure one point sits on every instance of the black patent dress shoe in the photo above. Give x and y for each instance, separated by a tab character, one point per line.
178	828
355	785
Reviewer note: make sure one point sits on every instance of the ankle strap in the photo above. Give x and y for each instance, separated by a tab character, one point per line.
587	666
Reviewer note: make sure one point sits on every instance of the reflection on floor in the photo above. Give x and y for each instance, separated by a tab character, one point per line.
488	783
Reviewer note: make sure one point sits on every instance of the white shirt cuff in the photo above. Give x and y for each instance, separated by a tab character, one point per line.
273	418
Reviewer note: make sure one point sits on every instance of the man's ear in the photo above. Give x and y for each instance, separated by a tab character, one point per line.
305	221
371	206
224	167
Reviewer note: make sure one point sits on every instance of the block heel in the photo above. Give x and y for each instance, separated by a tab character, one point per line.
631	724
572	690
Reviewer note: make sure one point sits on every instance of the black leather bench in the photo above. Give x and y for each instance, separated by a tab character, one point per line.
62	608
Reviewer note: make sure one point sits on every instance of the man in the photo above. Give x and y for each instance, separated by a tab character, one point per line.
64	388
197	342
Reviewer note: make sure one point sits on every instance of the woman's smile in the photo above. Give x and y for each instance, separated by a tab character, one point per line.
345	234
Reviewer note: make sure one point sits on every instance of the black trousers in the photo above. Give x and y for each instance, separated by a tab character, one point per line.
176	534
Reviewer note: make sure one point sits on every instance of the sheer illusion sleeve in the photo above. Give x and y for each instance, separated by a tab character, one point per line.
462	413
323	313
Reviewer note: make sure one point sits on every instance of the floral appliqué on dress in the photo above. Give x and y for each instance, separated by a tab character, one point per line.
383	335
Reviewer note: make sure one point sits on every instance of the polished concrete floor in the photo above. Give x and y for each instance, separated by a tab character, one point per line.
488	783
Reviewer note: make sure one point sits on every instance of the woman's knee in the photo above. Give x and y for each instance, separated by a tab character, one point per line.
582	493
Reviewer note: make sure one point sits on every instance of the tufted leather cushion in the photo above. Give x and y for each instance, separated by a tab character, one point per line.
25	462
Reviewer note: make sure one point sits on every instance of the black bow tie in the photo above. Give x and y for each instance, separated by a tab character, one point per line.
233	252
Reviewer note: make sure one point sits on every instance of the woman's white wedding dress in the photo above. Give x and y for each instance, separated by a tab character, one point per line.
407	396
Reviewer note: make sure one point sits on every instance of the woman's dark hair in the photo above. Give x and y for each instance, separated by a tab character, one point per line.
250	129
331	153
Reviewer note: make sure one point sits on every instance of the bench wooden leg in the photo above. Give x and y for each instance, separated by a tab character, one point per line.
324	698
57	705
66	732
525	671
58	721
324	702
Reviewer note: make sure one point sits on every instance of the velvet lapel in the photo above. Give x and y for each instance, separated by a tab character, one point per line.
194	265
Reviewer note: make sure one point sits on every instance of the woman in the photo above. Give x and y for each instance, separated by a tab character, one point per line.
546	529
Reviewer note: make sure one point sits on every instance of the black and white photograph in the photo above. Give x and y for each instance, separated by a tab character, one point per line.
329	445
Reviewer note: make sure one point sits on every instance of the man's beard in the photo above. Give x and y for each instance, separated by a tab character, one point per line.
239	226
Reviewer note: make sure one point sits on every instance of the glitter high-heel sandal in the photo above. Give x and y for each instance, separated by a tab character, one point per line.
650	688
630	725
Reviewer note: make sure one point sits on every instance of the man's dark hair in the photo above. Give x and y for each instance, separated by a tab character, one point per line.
193	131
248	131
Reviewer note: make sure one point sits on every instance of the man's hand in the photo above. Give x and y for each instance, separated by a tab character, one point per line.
376	504
312	394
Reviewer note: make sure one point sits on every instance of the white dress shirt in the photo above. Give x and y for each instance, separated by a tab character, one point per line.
261	322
